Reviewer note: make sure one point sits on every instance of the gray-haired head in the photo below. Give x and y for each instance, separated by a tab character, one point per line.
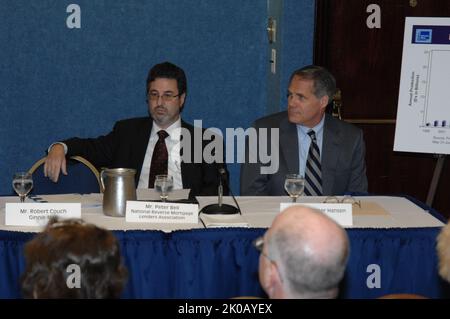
324	81
311	252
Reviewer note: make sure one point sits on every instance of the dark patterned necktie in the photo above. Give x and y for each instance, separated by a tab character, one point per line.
313	171
160	158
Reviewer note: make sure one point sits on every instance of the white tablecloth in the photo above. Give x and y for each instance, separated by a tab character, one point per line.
257	211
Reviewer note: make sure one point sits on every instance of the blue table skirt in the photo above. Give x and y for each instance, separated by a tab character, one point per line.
221	263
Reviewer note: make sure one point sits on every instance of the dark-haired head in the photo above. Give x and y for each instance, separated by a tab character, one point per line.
67	249
168	70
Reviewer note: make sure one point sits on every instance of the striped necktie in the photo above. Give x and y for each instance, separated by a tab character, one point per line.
313	171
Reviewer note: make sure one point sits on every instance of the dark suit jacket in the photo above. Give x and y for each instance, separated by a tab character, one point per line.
126	145
342	158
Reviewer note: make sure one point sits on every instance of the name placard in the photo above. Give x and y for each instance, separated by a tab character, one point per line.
340	213
38	214
158	212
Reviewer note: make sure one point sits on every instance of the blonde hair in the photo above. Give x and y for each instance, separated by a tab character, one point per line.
443	251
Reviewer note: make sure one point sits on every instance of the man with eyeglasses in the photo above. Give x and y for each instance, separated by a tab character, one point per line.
328	152
152	145
304	255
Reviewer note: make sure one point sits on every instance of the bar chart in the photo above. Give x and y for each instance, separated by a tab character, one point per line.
437	105
423	112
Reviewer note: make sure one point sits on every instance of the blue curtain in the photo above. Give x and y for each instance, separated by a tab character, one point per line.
221	263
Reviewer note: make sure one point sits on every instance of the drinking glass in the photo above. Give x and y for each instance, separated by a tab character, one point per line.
163	185
22	184
294	185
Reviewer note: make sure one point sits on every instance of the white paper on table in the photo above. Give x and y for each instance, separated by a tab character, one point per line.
151	194
57	198
92	200
86	200
11	199
224	220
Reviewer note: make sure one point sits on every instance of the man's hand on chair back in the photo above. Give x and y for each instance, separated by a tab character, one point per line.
55	162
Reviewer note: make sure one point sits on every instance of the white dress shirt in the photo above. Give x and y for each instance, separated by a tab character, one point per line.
173	149
305	142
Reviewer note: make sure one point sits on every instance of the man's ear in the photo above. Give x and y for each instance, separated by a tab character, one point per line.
275	275
182	99
272	280
324	100
264	276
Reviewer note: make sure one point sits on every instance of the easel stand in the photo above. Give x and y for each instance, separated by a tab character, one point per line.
435	180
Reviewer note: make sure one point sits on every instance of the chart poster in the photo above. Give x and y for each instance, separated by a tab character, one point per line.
423	114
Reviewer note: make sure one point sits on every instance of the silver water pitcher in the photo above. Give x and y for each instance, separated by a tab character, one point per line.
118	185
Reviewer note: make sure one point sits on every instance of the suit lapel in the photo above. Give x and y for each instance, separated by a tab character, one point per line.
289	146
186	168
330	153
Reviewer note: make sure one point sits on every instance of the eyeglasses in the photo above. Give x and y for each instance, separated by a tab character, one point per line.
258	243
166	97
347	199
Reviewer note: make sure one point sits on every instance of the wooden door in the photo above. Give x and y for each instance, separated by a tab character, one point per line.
364	53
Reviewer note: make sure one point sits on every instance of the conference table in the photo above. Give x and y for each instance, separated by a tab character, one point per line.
392	243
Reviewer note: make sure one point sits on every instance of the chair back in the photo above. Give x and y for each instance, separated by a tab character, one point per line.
82	178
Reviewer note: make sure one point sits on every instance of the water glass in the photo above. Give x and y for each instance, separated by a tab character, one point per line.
294	185
22	184
163	185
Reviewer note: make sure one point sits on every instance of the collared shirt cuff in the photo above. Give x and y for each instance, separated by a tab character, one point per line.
63	144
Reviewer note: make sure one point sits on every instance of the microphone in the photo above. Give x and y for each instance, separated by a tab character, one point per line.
222	208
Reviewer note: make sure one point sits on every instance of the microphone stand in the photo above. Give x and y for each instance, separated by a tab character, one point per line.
221	208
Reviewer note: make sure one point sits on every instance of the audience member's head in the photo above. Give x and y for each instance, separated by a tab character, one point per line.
303	255
443	251
73	259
